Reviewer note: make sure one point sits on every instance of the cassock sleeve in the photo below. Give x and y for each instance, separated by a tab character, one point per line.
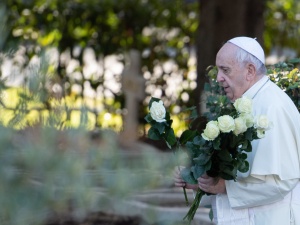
268	189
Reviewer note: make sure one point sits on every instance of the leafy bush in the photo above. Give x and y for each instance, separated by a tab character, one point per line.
45	171
287	76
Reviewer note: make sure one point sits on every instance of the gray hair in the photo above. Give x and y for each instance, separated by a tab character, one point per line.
244	57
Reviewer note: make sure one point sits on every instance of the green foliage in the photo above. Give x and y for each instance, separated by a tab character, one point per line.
287	76
160	30
282	25
45	171
109	27
225	158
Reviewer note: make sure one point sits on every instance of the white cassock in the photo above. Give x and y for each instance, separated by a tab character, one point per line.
269	193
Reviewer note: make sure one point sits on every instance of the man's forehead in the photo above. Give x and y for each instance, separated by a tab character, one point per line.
225	56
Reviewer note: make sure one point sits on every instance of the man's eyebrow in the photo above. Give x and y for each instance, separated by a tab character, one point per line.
224	67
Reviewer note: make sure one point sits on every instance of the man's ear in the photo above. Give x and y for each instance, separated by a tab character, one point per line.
251	72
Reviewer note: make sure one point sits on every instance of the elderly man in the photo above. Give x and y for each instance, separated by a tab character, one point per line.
269	193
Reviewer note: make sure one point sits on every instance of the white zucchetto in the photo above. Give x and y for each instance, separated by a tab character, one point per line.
250	45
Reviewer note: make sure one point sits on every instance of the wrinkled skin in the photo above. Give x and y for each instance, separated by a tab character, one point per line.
235	78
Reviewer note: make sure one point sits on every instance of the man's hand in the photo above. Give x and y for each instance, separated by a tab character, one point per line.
212	185
179	182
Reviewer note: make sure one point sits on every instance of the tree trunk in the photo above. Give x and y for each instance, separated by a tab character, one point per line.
220	21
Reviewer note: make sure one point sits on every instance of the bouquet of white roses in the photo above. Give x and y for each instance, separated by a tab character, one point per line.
220	150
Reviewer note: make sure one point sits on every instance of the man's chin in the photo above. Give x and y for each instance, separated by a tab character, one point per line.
230	96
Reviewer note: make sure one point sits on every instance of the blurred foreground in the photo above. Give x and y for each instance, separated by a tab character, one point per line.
51	177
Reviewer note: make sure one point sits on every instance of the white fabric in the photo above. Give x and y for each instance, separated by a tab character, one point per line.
269	193
250	45
206	200
284	212
278	152
244	193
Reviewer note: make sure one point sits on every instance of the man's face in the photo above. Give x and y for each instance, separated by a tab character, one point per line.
231	76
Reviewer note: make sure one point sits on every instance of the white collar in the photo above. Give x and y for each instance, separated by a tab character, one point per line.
252	91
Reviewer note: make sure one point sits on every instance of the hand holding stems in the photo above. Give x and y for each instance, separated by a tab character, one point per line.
206	185
179	182
212	185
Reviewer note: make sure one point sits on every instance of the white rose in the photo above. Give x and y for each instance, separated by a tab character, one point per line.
240	126
158	111
260	133
243	105
248	118
211	131
262	122
226	123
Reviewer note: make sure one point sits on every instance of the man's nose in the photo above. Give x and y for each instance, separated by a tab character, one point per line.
220	78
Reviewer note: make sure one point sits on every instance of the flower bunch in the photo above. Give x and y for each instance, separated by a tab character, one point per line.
161	123
220	150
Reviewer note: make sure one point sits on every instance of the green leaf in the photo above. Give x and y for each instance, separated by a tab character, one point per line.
198	171
216	144
211	214
207	87
202	159
224	155
189	145
187	135
154	134
160	127
234	140
227	176
170	137
249	147
249	134
244	167
148	118
199	140
208	165
294	61
228	172
194	114
245	144
242	156
192	150
187	176
168	119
